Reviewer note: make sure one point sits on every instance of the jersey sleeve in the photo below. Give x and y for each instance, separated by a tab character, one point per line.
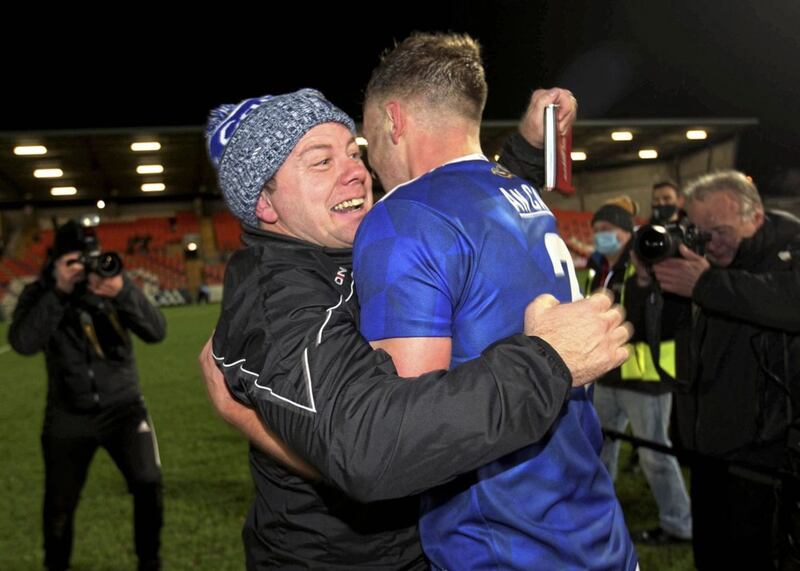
410	264
301	363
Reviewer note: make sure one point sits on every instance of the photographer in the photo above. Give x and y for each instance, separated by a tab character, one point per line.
745	375
81	319
633	392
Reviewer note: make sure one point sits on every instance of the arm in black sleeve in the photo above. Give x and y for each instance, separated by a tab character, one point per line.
342	406
36	317
382	437
766	299
138	314
523	159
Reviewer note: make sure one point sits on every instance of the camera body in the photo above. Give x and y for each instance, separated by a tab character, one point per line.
104	264
653	243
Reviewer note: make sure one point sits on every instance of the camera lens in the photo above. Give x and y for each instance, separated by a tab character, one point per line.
108	265
653	243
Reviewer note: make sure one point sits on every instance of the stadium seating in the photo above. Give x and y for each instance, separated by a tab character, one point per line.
160	264
576	229
227	230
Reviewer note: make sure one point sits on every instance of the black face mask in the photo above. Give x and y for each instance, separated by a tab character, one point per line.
664	212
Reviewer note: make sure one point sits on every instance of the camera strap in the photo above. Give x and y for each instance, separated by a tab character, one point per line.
652	325
113	318
87	324
104	334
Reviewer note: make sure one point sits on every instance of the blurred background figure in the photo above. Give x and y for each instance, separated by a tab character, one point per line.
667	203
80	313
633	393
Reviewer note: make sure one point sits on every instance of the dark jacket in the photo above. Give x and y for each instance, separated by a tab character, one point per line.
523	159
84	375
288	344
746	349
621	280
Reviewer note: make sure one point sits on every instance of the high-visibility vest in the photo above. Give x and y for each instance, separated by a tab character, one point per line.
640	365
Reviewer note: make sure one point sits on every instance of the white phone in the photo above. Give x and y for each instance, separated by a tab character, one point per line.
550	146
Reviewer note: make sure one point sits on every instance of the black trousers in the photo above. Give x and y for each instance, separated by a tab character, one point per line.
733	519
69	442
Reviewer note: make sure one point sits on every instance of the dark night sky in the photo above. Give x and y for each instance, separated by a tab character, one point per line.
679	58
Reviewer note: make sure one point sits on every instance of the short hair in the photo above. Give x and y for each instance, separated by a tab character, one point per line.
667	183
730	181
271	185
443	70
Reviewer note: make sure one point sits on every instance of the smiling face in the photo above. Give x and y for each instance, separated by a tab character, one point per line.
321	192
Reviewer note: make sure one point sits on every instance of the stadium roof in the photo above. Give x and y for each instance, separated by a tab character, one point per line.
100	163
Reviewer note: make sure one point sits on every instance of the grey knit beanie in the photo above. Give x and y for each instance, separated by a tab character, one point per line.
248	142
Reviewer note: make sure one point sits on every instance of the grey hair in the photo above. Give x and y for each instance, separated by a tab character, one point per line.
734	182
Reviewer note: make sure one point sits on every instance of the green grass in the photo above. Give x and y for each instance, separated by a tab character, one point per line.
207	487
641	513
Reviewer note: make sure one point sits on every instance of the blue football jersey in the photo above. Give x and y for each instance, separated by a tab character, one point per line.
459	253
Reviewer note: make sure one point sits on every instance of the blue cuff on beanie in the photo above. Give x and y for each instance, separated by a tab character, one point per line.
248	142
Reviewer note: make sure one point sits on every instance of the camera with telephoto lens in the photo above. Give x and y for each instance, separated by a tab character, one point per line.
653	243
104	264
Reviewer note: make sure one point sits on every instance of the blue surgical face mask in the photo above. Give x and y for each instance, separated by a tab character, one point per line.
606	242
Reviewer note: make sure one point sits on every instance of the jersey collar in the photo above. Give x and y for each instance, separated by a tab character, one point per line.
470	157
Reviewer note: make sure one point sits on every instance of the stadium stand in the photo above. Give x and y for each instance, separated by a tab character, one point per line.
227	231
576	230
152	250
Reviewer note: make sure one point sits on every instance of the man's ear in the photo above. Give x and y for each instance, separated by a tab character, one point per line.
758	217
397	120
264	209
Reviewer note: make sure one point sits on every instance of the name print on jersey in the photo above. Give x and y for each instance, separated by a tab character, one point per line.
525	201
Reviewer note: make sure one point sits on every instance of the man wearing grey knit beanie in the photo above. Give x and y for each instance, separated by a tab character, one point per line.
249	143
288	346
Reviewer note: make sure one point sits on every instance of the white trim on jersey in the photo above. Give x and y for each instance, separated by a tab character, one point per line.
472	157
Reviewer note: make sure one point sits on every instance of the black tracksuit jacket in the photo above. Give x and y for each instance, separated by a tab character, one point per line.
289	346
79	379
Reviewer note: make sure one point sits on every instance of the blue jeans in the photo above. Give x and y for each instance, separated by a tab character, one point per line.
649	418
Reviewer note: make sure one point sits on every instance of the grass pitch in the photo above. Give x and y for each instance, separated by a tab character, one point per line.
207	487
